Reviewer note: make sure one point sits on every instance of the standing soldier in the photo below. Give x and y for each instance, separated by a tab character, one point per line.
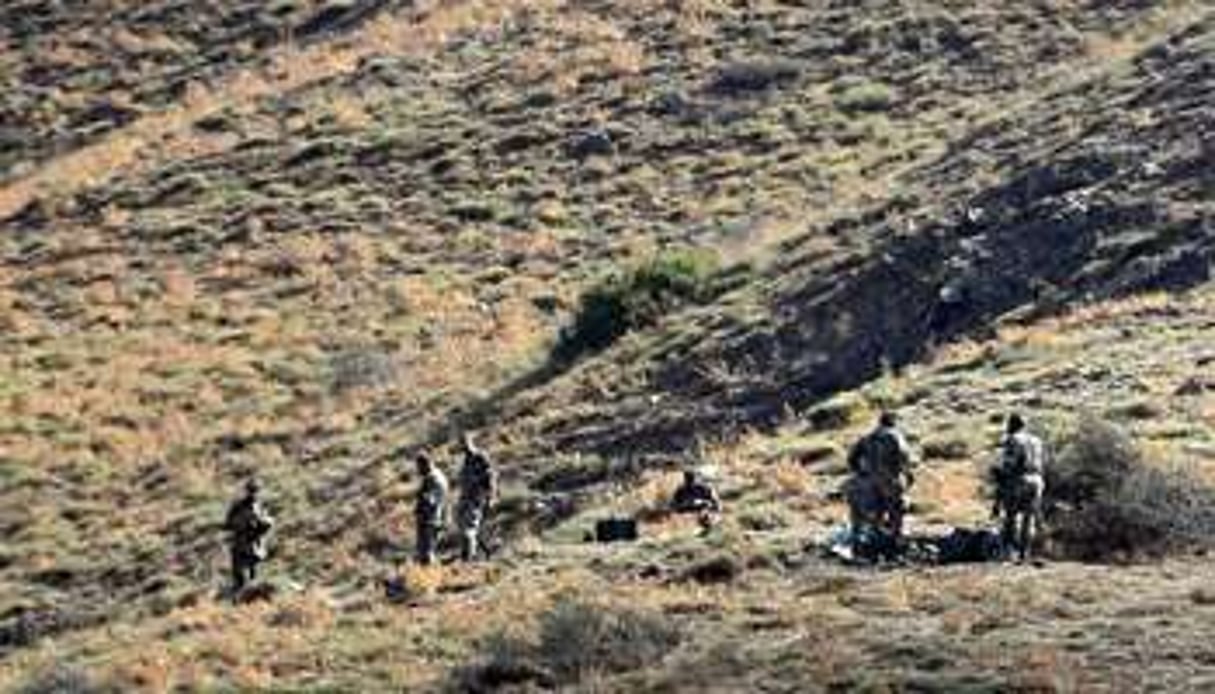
1020	483
881	466
430	509
478	490
247	524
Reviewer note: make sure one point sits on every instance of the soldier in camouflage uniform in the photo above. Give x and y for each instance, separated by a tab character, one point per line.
696	495
881	467
430	509
478	490
248	524
1020	484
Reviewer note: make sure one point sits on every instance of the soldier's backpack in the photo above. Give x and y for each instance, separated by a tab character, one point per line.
966	545
1022	455
885	455
477	475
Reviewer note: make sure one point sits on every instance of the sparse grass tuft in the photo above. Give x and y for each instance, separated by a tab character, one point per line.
64	679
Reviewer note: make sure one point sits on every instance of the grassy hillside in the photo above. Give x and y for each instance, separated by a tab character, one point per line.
303	239
1096	190
753	603
75	72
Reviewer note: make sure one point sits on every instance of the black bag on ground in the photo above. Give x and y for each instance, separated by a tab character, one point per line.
616	530
967	545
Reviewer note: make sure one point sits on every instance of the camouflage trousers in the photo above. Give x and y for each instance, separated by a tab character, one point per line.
471	516
875	502
245	560
1021	504
428	542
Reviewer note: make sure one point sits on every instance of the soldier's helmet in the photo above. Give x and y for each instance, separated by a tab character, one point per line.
689	476
888	419
1015	423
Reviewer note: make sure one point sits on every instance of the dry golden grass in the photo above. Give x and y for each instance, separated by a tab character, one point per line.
170	135
581	44
174	376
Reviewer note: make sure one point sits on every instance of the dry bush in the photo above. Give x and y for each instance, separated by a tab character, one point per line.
1105	501
755	76
61	678
577	640
361	367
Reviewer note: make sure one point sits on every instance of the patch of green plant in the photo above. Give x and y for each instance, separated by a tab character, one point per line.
638	298
865	96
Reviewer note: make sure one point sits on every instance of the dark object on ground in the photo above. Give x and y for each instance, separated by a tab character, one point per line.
593	143
339	16
966	545
724	569
616	530
876	545
395	589
744	78
256	592
650	571
960	546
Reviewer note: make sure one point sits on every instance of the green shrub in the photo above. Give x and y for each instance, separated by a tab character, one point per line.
1105	501
361	367
637	298
866	97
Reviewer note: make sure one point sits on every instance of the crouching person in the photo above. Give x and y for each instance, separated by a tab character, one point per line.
697	495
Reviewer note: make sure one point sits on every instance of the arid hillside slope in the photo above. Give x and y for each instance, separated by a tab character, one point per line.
754	605
1097	190
76	71
304	239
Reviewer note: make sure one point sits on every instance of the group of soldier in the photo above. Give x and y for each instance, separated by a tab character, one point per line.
883	471
478	484
248	523
881	465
